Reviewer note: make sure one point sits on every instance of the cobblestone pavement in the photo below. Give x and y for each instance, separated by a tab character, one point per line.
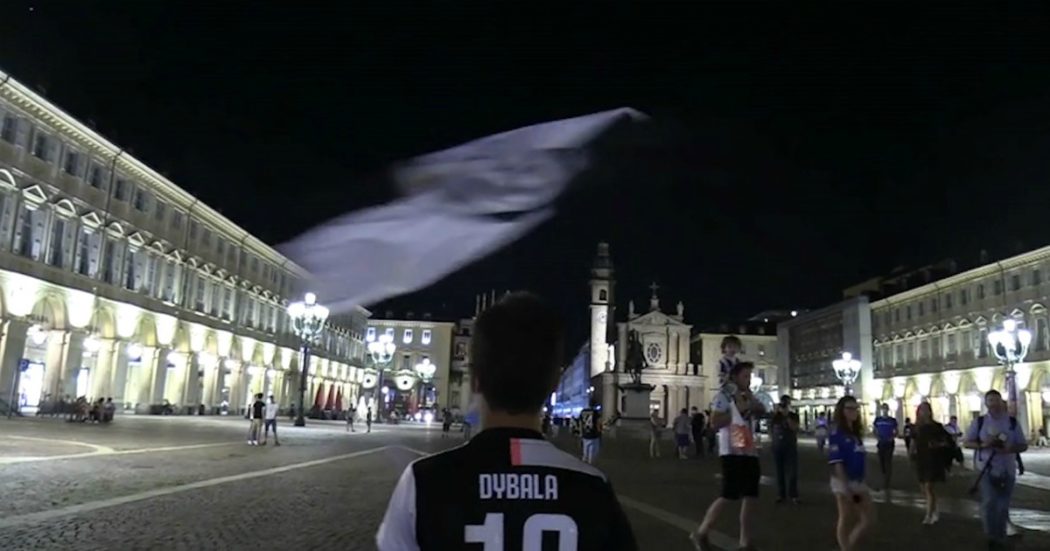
685	488
193	483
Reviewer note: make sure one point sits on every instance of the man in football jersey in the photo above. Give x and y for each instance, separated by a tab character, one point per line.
507	488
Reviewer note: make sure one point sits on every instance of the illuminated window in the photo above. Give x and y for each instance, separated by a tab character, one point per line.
389	332
370	334
425	339
407	339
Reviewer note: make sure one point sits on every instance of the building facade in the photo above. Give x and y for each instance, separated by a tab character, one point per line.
931	341
418	342
806	346
115	282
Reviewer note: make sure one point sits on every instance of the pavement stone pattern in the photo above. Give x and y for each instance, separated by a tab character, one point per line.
687	487
339	504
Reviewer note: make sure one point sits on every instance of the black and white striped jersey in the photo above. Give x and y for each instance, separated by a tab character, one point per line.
505	490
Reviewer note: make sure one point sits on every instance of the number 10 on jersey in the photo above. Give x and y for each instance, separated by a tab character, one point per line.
490	534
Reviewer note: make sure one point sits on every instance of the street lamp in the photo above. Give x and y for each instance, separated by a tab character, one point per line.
847	370
381	351
1010	346
425	371
308	319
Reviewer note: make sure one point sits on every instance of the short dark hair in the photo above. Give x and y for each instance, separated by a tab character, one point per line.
992	392
731	339
740	366
516	353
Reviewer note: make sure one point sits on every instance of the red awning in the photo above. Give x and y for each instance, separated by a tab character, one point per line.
319	399
330	402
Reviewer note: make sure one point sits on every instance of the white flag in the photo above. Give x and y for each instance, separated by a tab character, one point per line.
462	204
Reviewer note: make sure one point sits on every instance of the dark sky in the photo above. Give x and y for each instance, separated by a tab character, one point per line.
811	148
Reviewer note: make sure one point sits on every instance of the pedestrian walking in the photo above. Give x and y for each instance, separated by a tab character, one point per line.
698	425
527	493
656	427
446	422
733	408
930	454
997	439
257	412
683	428
956	433
886	440
909	432
590	434
784	428
821	432
350	415
270	418
368	419
846	457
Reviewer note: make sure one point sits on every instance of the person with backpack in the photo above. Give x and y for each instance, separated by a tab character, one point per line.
998	441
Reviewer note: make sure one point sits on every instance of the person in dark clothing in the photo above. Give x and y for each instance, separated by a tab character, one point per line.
258	413
886	439
508	487
368	420
784	428
699	424
909	432
930	447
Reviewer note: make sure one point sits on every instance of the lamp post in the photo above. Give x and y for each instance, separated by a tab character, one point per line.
1010	346
381	352
308	319
847	370
425	371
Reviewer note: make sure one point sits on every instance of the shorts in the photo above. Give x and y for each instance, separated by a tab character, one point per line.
271	423
682	440
740	476
852	487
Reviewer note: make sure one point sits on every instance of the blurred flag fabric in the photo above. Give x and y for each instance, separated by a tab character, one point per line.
459	205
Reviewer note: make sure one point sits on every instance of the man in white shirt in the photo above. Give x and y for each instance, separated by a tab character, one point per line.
271	421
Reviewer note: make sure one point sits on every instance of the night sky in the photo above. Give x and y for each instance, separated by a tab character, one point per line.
805	151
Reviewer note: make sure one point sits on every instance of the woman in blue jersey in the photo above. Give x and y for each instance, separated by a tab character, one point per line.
846	458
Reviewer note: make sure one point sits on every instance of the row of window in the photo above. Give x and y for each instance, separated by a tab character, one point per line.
41	233
19	131
946	301
406	335
950	345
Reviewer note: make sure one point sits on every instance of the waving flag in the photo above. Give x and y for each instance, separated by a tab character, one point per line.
460	205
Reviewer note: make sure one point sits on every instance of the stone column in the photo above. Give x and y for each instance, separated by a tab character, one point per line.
72	361
121	364
155	375
12	348
55	364
193	394
102	375
610	395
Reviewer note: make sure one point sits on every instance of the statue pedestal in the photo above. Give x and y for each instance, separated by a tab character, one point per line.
634	419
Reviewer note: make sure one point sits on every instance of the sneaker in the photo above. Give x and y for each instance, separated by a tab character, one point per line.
701	542
926	520
276	443
263	443
934	518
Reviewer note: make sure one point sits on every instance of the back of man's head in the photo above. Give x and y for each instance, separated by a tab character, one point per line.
516	353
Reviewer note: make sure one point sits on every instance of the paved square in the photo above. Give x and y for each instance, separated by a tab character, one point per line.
193	483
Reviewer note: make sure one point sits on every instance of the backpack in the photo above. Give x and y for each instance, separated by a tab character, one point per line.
1013	427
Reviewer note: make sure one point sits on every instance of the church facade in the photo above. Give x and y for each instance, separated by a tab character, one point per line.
665	344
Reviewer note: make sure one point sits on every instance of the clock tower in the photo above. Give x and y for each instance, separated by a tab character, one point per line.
602	306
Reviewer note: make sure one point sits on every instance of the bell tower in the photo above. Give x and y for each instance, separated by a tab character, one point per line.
602	305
